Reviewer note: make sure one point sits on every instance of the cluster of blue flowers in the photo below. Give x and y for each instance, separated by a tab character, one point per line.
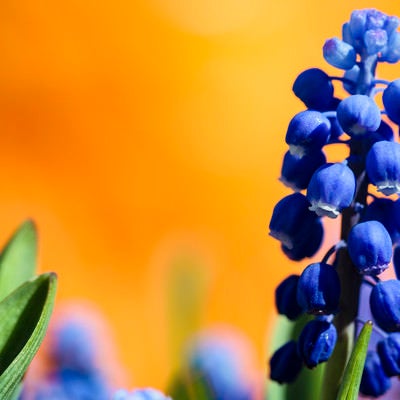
357	189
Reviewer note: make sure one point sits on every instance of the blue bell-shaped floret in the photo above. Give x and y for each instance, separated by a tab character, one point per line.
285	364
374	381
286	298
391	101
339	53
389	353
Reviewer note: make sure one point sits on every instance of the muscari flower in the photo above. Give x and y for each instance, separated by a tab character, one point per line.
285	364
391	101
331	189
295	226
389	353
286	298
358	114
370	247
374	381
318	289
385	304
316	342
307	131
314	88
383	166
296	171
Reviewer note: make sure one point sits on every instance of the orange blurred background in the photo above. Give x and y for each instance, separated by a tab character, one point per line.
139	133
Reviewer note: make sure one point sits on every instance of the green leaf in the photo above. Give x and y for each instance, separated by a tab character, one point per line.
354	369
18	258
24	317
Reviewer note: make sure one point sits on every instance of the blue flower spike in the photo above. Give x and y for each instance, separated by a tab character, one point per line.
285	364
286	298
383	167
307	131
339	53
385	304
318	289
374	381
389	353
316	342
331	189
370	247
358	114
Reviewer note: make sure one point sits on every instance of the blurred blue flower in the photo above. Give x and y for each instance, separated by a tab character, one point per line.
285	364
140	394
374	381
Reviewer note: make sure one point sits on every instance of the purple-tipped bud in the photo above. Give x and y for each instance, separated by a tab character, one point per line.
317	342
391	53
387	212
358	114
383	166
375	19
375	40
314	88
339	53
391	101
307	131
292	222
318	289
385	304
374	381
389	353
370	247
285	364
286	298
297	171
331	189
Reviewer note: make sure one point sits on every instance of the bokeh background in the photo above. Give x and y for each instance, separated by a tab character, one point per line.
148	134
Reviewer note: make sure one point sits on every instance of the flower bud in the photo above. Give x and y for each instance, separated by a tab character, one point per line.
391	101
339	53
358	114
374	381
307	131
370	247
383	167
389	353
318	289
286	298
385	304
317	342
331	189
285	364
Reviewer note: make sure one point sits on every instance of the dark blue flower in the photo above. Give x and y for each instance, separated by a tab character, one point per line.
396	260
374	381
307	131
389	353
317	342
318	289
358	114
297	171
339	53
292	222
306	245
370	247
383	166
286	298
385	304
391	101
314	88
285	364
331	189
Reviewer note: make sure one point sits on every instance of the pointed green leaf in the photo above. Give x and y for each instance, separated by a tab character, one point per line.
24	316
18	258
354	369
